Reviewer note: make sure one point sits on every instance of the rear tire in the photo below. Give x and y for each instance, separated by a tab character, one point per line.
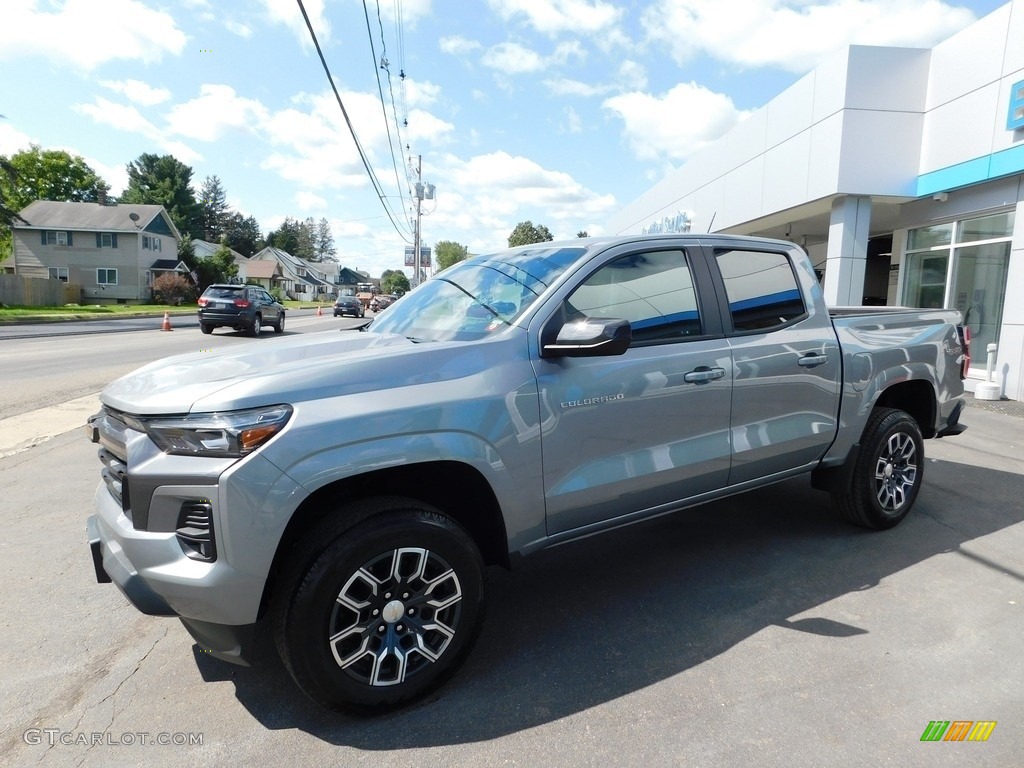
257	326
888	473
379	605
206	328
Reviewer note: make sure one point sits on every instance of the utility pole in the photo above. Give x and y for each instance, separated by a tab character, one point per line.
416	236
422	191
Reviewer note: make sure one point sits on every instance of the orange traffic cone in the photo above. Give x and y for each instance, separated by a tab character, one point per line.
167	322
319	311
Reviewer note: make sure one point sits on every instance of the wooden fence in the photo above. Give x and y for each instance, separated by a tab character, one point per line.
16	290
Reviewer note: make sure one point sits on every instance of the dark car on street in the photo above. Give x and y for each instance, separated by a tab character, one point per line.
349	305
242	307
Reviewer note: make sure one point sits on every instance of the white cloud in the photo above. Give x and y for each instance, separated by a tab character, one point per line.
795	34
315	147
308	201
632	75
408	12
675	125
11	139
138	91
120	116
484	197
115	175
216	111
87	34
573	123
238	28
127	118
563	86
424	126
458	46
513	58
555	16
287	12
421	93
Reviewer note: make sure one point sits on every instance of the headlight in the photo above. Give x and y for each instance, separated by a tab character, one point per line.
231	434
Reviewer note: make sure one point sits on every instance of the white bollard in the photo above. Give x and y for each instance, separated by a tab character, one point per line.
988	389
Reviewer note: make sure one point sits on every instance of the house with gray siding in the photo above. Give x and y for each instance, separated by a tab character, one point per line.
113	252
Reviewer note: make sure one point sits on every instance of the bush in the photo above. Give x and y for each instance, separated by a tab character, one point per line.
171	288
277	293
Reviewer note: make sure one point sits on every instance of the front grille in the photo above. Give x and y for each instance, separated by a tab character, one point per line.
195	530
107	429
115	473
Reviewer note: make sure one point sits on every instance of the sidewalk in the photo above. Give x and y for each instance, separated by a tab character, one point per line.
1004	407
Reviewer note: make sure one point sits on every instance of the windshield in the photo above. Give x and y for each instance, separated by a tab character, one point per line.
476	297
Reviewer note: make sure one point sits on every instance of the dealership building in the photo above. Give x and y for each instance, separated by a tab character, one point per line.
899	170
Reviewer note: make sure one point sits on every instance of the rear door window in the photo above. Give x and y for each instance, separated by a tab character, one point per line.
762	289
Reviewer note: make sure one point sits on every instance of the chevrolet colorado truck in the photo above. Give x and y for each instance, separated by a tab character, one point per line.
345	492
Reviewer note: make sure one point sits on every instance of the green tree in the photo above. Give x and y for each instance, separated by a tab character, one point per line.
325	250
165	180
306	248
243	234
526	233
583	233
448	252
394	281
42	174
213	202
286	236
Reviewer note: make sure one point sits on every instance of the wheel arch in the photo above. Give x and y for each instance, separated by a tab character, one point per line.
917	398
456	489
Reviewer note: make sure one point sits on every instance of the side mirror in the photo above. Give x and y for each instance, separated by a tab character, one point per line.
597	337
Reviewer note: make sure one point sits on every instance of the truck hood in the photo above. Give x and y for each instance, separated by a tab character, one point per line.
289	370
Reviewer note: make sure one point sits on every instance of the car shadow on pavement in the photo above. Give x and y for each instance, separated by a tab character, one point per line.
598	619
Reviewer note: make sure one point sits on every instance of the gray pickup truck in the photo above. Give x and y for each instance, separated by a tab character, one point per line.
345	492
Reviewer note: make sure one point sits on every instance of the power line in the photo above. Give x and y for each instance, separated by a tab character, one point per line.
384	64
362	155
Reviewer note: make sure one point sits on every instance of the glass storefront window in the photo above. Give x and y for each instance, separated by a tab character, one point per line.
979	291
967	277
926	279
930	237
987	228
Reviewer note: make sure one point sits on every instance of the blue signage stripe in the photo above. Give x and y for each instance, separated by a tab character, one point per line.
1002	163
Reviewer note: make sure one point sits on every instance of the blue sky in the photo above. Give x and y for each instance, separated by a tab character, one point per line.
557	111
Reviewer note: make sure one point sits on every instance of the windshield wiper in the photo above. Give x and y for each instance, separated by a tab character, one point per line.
483	304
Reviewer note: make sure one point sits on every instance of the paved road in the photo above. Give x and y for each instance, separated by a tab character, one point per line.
47	368
116	325
760	630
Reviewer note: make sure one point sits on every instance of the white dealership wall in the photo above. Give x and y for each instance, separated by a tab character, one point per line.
875	141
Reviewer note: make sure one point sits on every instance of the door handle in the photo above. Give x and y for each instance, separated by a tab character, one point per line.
703	374
811	361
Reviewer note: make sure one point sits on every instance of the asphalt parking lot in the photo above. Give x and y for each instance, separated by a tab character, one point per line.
760	630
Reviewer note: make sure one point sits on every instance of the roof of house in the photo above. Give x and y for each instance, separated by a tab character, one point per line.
90	217
168	265
264	269
204	248
293	264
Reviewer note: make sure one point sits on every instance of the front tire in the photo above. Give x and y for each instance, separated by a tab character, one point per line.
888	473
379	611
279	327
